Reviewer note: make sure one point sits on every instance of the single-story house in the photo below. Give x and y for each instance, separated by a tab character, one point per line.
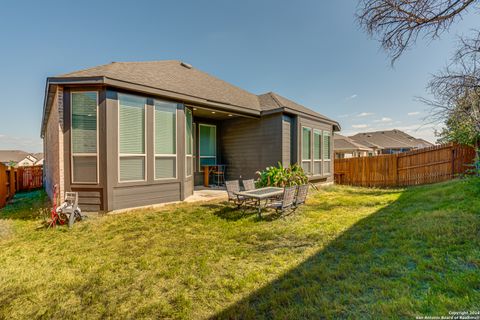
390	141
130	134
19	158
344	147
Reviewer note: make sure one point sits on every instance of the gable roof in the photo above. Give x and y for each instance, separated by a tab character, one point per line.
173	76
390	139
179	80
12	155
272	101
343	143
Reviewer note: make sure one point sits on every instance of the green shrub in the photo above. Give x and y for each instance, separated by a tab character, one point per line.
281	176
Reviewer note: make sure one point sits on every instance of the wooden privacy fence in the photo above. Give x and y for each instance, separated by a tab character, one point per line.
422	166
13	180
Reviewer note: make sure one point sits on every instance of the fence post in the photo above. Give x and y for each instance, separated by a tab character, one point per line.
397	172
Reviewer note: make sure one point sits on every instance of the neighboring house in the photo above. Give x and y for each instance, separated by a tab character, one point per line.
138	133
390	141
344	147
20	158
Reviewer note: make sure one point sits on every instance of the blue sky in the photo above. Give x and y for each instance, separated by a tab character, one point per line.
310	51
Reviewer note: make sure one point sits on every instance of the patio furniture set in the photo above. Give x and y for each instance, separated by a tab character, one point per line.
280	199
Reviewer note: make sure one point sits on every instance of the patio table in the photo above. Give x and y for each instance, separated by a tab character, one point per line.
261	194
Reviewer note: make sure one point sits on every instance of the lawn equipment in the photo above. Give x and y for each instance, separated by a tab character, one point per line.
67	211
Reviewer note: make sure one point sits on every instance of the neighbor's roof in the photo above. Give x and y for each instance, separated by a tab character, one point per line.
343	143
390	139
172	78
12	155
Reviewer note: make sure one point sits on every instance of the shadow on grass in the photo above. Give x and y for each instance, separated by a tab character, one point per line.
396	263
227	211
30	205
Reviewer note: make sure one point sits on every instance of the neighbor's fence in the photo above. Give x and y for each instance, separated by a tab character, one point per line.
13	180
423	166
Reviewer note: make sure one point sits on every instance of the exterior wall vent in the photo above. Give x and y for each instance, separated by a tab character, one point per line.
186	65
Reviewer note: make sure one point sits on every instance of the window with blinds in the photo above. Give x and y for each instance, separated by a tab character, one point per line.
207	144
307	150
165	139
188	142
327	141
131	132
84	136
317	152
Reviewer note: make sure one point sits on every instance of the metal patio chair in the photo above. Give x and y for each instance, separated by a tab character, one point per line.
287	201
301	196
248	184
233	186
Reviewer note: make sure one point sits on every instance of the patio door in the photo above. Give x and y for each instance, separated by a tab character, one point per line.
207	146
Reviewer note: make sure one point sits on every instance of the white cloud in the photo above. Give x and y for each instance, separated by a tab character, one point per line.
360	126
413	113
365	114
384	119
353	96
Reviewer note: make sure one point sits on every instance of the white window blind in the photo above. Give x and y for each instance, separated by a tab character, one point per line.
317	152
131	137
188	142
327	163
165	139
307	150
84	136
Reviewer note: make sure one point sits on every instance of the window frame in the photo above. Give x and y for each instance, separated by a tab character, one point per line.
164	155
320	133
329	160
200	157
188	156
311	153
72	154
130	155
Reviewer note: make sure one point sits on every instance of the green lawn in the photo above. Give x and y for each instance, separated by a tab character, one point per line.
349	253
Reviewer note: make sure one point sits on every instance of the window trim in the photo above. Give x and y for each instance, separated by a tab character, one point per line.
72	155
162	155
129	155
188	156
200	157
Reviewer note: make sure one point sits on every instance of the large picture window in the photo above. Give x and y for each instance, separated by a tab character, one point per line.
207	145
84	137
307	150
131	126
188	142
327	149
317	152
165	139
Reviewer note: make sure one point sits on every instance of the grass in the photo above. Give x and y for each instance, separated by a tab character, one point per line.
349	253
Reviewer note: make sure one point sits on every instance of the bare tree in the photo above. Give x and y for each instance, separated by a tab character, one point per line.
456	92
398	23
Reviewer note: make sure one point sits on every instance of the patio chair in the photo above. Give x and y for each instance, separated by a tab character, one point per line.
287	201
301	196
233	186
248	184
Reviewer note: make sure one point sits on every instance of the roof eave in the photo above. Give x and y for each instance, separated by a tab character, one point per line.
336	125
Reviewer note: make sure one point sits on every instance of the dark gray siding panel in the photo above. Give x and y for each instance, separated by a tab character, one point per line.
89	199
135	196
286	140
249	145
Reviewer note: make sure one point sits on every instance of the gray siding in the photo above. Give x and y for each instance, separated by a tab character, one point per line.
249	145
135	196
286	140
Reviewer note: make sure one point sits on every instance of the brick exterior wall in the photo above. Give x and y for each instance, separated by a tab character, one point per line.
53	148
